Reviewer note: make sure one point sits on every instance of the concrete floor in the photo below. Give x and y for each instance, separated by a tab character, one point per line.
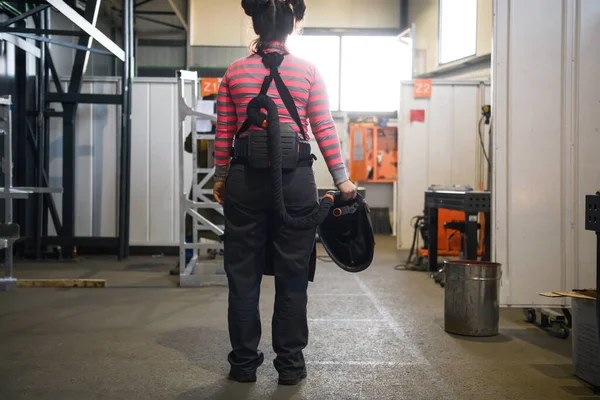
375	335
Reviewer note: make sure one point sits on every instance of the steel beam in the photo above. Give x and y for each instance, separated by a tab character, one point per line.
70	102
23	16
38	148
63	44
90	29
84	98
40	128
20	156
44	145
161	43
141	3
68	164
91	14
22	44
125	156
9	11
52	67
180	17
160	22
38	31
145	12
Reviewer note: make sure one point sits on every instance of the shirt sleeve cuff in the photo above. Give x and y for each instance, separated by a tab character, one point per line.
339	175
221	173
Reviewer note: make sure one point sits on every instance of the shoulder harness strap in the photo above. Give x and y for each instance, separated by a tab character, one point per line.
272	61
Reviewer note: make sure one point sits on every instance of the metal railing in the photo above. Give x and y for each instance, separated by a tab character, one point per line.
198	270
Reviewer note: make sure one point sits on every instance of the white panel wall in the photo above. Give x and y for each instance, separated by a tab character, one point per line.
443	150
587	141
547	124
154	162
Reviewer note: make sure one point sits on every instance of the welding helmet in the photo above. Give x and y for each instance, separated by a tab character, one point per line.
347	234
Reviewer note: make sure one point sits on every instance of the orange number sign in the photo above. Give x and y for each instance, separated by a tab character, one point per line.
422	88
209	86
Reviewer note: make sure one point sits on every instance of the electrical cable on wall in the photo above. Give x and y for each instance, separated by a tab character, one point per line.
481	141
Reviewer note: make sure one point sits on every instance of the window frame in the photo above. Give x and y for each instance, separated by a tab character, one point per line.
439	36
340	67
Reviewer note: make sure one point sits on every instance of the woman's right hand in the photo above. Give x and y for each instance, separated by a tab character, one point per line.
348	190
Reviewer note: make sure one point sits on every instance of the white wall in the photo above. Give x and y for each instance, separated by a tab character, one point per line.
224	23
155	189
425	15
547	125
443	150
154	162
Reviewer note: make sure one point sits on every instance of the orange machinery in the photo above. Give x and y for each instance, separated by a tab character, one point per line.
449	240
373	153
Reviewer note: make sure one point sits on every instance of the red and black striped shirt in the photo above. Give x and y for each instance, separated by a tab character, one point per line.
242	82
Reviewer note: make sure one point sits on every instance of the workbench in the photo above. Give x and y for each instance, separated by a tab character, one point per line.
471	203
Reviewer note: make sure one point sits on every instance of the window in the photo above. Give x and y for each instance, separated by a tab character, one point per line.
372	68
324	52
458	30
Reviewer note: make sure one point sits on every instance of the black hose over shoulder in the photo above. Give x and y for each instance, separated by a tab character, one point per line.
316	217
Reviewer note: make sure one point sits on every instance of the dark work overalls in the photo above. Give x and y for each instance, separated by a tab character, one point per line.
257	244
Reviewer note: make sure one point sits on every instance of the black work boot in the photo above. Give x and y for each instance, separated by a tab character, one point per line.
246	377
250	378
292	381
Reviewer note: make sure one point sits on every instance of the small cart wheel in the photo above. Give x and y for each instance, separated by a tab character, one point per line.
560	330
530	314
545	321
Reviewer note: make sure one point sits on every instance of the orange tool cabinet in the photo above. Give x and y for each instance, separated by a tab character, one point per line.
373	153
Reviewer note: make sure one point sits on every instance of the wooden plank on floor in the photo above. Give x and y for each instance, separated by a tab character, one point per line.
61	283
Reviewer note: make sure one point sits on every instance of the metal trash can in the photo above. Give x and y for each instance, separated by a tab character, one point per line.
471	298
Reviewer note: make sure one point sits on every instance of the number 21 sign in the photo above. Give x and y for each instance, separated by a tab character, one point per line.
209	86
422	88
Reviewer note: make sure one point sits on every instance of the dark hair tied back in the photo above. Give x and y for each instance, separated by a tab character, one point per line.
253	7
299	8
273	20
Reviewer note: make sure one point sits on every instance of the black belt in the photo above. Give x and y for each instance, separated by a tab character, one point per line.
307	162
241	148
253	151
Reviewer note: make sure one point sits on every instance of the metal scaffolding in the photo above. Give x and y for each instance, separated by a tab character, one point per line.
32	126
198	270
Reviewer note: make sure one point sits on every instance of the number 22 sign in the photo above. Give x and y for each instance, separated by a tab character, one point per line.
209	86
422	88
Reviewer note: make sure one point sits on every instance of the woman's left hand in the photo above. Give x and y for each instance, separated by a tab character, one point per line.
219	192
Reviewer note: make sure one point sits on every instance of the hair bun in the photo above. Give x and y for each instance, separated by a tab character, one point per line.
251	7
299	7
